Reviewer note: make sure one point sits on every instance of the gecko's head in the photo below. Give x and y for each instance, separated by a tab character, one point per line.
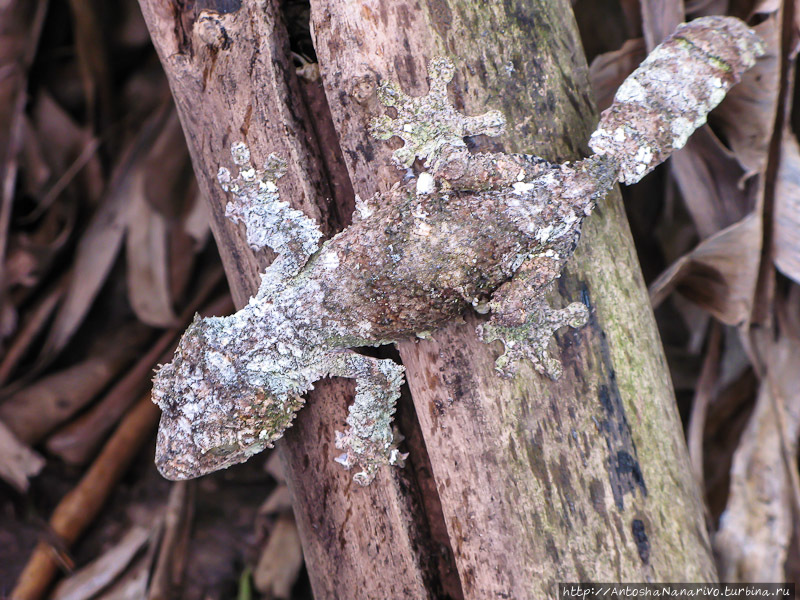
214	416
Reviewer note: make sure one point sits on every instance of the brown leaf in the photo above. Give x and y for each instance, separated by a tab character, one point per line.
279	501
746	116
702	8
32	326
133	584
172	553
35	410
98	574
157	241
68	148
168	172
708	176
92	57
148	260
766	6
17	461
659	19
608	70
280	561
756	527
35	170
719	275
786	232
102	240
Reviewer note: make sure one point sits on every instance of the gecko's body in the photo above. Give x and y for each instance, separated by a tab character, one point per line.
414	258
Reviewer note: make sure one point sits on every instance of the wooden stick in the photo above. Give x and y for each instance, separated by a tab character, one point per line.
80	506
249	91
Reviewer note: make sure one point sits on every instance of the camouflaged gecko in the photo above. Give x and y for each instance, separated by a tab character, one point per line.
491	231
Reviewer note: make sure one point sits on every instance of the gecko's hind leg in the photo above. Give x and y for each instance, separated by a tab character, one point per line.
523	320
368	441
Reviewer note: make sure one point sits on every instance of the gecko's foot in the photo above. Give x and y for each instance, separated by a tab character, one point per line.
369	454
429	123
368	441
270	221
530	340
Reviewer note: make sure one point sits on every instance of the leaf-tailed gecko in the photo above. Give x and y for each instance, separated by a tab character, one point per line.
489	231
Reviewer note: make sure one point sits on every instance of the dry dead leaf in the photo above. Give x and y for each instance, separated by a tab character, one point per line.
35	172
93	61
35	410
766	6
719	275
68	148
101	241
746	116
20	26
33	324
171	560
786	232
708	176
280	561
133	584
702	8
279	501
756	527
18	462
659	19
101	572
148	259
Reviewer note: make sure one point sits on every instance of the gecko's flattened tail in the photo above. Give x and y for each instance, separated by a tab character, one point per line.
669	96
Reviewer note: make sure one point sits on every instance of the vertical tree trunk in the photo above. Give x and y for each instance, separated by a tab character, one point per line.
586	478
232	77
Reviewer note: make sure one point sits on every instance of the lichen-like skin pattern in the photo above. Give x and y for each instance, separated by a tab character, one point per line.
429	124
490	231
669	95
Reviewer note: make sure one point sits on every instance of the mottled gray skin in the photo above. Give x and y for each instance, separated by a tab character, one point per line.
491	231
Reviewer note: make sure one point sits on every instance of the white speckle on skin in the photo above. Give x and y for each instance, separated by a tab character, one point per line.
619	135
330	260
423	228
191	409
544	233
644	155
681	128
631	91
425	184
522	188
222	365
362	208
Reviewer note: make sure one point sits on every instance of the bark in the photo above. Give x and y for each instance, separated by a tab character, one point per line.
232	79
586	478
536	481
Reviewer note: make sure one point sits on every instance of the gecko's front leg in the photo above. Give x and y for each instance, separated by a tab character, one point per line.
524	321
368	441
269	221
